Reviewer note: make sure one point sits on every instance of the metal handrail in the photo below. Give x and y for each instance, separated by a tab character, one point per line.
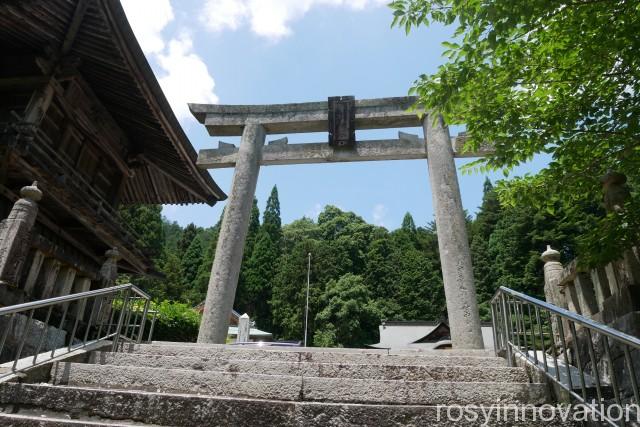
577	318
522	326
101	325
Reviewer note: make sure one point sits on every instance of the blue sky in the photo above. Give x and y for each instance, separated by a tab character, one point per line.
279	51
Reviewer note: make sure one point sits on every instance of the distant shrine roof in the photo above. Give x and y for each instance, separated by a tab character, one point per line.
110	59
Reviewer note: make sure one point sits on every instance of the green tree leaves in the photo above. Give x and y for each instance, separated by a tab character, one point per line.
537	76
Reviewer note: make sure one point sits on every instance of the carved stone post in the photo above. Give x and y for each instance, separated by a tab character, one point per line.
552	291
586	294
552	274
34	272
109	270
15	234
244	328
235	224
51	270
615	191
64	284
81	284
453	242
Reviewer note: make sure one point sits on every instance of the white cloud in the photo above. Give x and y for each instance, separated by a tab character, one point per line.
219	15
269	18
148	18
186	77
379	214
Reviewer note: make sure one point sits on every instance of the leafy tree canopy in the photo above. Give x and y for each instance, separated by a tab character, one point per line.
540	76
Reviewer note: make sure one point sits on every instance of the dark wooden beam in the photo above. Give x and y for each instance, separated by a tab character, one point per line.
74	26
169	176
25	82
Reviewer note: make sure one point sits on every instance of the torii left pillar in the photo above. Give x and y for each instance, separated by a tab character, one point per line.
233	231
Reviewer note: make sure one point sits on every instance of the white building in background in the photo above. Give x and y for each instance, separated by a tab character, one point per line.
421	335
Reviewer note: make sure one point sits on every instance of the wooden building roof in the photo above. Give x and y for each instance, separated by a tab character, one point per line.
97	35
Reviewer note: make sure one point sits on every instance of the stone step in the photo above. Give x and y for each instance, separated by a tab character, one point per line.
295	388
183	410
406	351
53	420
234	353
312	369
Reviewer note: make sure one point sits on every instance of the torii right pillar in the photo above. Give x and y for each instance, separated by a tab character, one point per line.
453	241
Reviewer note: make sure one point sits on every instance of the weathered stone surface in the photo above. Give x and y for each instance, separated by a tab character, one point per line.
33	331
15	234
616	192
321	152
314	369
179	380
109	269
285	387
184	410
229	120
50	275
553	273
327	356
453	242
233	231
244	328
34	272
82	284
417	352
586	294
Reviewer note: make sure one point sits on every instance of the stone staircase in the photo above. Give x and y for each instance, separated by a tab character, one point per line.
172	384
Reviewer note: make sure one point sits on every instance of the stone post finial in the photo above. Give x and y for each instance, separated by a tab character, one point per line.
113	253
15	234
31	192
552	292
109	269
616	192
550	255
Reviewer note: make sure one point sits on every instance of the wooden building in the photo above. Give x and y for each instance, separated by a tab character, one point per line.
81	113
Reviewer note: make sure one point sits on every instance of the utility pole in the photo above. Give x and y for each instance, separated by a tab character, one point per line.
306	311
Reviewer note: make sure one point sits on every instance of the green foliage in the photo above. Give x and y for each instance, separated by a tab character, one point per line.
349	315
538	76
191	262
146	222
408	224
175	322
271	222
188	234
360	273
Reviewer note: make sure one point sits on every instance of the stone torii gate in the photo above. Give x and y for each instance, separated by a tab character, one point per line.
340	116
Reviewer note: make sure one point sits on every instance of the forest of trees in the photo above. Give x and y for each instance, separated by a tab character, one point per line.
360	273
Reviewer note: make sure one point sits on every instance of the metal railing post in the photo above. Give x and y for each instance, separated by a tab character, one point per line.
116	337
506	319
103	297
494	327
517	338
143	321
153	325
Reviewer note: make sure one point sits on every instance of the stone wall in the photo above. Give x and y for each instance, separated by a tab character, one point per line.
609	295
54	338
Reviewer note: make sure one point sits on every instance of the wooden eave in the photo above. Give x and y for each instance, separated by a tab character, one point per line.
109	58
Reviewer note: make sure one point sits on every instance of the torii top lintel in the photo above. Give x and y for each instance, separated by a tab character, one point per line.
229	120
